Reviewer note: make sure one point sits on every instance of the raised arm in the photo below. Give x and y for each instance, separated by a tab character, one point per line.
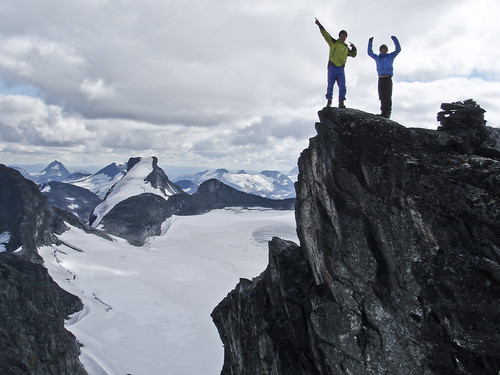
328	38
370	48
396	44
319	24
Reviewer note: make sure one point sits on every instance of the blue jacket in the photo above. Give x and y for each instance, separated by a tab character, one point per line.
384	60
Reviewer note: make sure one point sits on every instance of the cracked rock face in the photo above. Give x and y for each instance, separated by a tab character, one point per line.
33	307
398	266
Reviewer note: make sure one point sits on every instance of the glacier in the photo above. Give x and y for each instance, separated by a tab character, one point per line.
147	309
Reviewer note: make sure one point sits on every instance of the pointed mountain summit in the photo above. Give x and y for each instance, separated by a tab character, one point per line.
55	171
143	176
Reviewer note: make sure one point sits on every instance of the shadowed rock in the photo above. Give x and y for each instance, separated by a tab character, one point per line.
398	268
32	306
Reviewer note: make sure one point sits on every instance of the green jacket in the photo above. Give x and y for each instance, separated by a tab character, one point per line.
338	50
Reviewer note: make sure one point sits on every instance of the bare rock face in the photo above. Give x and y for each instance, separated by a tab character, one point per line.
398	269
33	307
33	339
26	214
157	178
137	218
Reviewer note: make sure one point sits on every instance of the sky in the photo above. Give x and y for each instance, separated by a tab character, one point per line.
223	84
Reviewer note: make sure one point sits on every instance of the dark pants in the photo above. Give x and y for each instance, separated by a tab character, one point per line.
385	95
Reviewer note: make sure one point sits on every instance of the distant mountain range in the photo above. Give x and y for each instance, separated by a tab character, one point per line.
131	200
268	184
139	203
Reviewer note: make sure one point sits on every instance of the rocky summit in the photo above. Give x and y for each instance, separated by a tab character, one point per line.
398	268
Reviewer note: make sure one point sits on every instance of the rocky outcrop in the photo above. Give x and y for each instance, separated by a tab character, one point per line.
262	322
157	178
139	217
32	306
143	176
398	269
29	218
26	214
32	312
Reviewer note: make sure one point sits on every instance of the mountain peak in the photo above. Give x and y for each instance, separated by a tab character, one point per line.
143	176
55	171
398	262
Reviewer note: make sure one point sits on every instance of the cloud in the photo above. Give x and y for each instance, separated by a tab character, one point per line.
226	83
29	120
96	90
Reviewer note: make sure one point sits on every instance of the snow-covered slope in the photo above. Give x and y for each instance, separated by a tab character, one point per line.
147	309
269	184
100	182
131	184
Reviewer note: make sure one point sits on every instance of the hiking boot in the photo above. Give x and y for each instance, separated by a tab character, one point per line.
341	105
329	103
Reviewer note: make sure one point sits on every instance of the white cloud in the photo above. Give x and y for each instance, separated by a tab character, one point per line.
28	120
228	82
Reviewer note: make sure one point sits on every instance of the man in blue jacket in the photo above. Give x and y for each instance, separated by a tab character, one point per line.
384	62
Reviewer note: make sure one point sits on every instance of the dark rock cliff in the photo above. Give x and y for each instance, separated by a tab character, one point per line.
26	214
33	339
137	218
32	306
398	269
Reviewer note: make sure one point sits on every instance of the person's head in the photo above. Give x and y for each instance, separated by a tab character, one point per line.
383	48
343	35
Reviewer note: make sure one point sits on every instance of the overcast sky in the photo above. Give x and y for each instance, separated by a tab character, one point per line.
220	83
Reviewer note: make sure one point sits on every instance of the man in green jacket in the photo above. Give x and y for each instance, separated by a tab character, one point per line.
336	63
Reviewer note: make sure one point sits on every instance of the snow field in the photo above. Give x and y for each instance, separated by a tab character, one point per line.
147	309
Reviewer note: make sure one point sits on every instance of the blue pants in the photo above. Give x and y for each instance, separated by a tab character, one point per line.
336	73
